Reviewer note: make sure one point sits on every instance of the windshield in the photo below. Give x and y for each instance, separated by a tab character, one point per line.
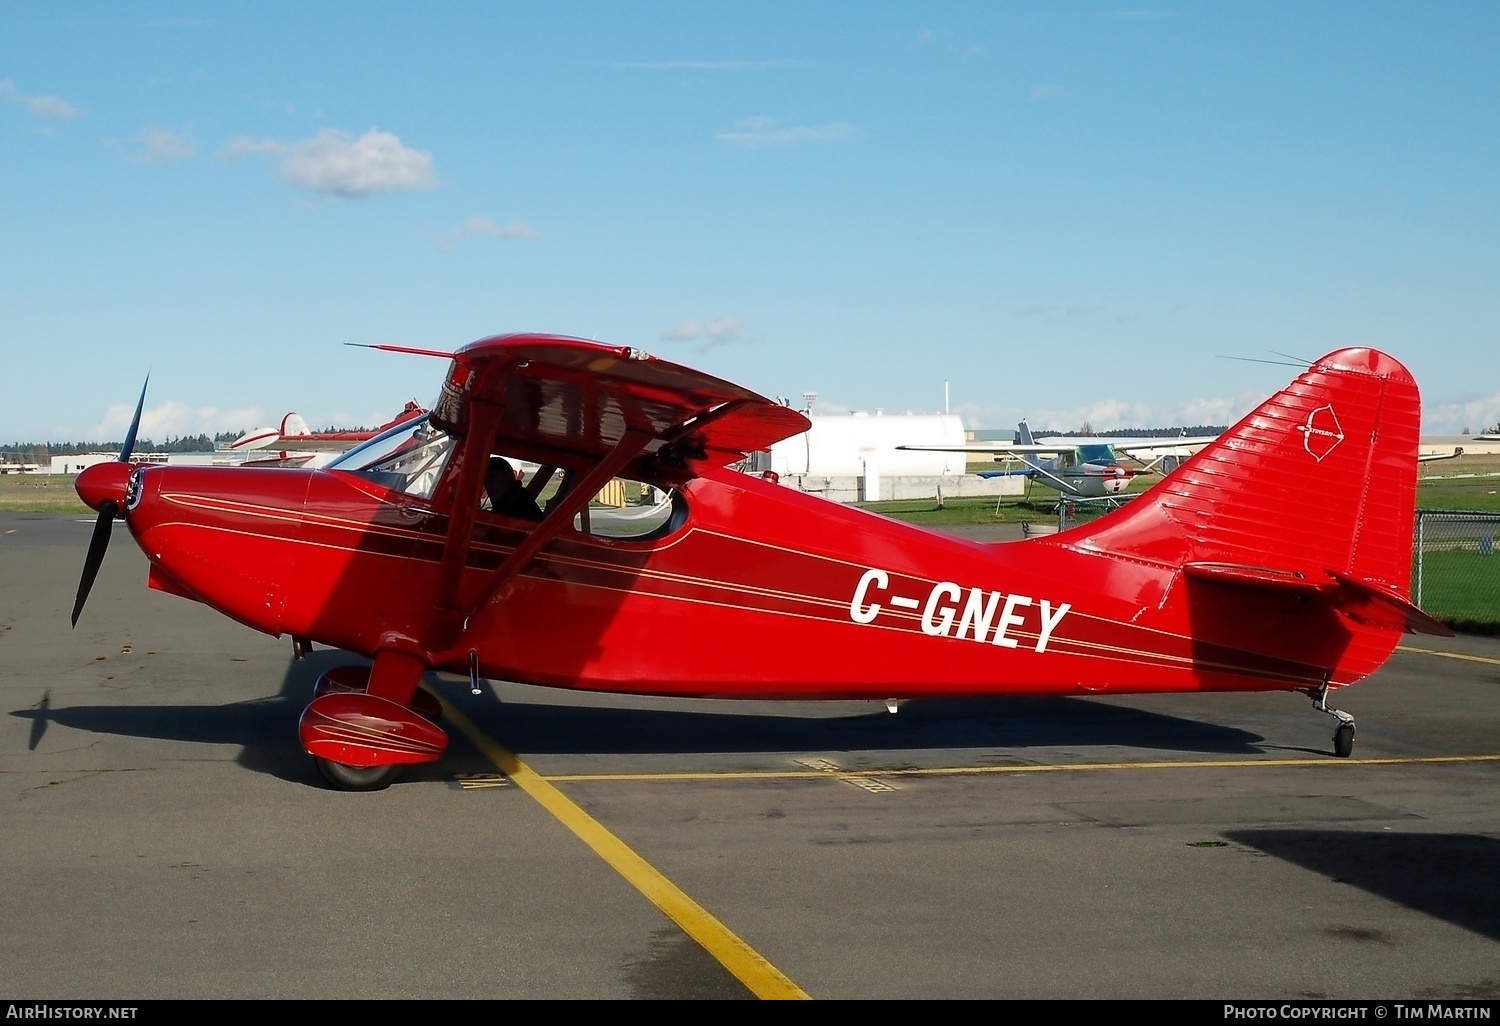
1096	454
407	458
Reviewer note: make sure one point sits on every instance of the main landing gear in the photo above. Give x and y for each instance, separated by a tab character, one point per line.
1343	734
358	740
356	778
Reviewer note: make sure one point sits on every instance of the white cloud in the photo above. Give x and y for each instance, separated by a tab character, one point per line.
1450	418
239	149
1438	418
163	147
173	419
54	107
489	229
1115	414
761	133
484	226
334	165
708	334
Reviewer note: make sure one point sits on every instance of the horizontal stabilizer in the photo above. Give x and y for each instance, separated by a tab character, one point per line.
1374	605
1361	601
1257	578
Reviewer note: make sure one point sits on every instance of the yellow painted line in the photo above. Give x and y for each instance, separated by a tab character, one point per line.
1449	655
1074	767
762	978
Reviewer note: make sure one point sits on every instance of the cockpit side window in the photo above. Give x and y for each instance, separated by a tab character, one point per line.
629	510
625	509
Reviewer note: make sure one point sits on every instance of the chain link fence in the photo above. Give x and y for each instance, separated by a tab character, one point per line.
1456	569
1455	560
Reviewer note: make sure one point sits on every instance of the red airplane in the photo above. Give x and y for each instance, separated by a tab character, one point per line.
1276	558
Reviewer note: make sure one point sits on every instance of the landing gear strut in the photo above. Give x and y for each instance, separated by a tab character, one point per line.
1343	734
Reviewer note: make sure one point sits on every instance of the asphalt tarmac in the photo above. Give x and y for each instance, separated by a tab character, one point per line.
165	836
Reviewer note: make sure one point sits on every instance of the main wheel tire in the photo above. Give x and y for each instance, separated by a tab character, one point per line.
1343	740
356	778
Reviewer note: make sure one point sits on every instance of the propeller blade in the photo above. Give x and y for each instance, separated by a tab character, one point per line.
108	510
97	544
135	423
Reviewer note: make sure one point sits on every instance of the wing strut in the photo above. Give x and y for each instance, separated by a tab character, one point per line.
1061	484
449	626
445	612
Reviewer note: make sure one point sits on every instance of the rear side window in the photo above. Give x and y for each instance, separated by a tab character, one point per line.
626	510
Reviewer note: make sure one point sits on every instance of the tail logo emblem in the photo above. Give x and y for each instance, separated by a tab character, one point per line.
1322	433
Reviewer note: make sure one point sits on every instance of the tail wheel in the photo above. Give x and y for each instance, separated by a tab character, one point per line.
356	778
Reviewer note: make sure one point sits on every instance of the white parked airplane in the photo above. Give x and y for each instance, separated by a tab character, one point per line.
1088	469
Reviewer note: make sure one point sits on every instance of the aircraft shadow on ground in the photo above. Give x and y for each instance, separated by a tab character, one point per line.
266	729
1449	876
987	723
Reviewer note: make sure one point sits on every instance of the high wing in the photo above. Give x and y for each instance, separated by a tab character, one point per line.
1038	449
1428	457
594	411
569	402
995	448
1161	443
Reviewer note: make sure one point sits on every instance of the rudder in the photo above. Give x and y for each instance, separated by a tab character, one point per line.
1321	477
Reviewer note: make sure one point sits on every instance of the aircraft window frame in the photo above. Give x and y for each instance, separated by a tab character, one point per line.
1097	452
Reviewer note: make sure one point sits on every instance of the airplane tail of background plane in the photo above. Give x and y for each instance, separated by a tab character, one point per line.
1023	437
1313	494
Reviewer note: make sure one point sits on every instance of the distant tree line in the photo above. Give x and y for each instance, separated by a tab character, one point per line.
42	452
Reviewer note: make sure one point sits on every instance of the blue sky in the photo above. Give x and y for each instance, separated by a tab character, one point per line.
1067	212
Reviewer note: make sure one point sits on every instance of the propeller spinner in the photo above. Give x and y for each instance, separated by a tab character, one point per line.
103	487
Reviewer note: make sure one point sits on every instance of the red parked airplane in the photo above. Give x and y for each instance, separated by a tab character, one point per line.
1276	558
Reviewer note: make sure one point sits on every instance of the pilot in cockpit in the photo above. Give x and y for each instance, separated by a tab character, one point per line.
508	496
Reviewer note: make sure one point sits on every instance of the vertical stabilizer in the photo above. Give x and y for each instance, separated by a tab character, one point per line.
1321	477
